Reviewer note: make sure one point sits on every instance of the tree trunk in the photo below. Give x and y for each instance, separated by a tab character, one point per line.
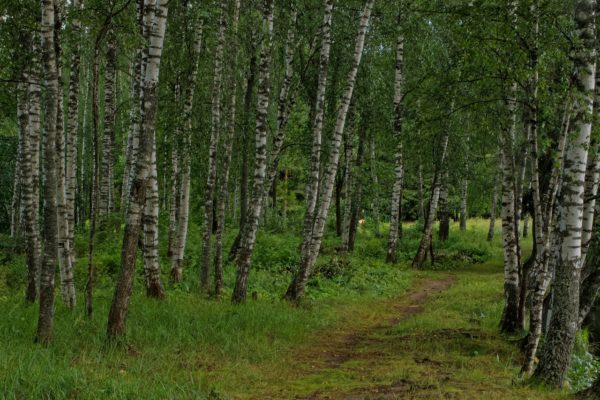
154	286
175	179
248	237
71	132
493	209
17	202
286	100
30	150
312	188
464	193
120	303
312	242
65	259
357	195
95	187
558	346
209	191
107	170
375	187
443	211
339	185
510	316
184	199
227	153
348	190
426	238
250	83
420	194
399	162
133	137
50	228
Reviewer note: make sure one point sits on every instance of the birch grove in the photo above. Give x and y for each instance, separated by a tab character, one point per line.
356	158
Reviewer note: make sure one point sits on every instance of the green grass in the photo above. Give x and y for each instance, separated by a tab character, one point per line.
190	346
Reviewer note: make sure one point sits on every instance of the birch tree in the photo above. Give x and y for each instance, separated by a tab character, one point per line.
120	303
209	191
426	237
248	237
50	228
184	193
227	153
312	242
107	169
399	162
558	345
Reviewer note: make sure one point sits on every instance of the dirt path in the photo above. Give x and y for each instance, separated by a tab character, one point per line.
348	353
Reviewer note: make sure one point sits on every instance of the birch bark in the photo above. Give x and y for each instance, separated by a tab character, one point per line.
251	226
209	191
558	345
120	303
50	227
312	243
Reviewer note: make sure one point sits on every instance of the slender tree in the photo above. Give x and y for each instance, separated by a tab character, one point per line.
227	153
211	178
251	226
312	242
399	163
184	193
156	32
558	345
50	227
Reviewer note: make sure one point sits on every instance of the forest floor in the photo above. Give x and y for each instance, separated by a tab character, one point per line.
366	330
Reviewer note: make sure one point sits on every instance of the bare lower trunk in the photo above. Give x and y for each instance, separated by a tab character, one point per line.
154	286
50	227
30	151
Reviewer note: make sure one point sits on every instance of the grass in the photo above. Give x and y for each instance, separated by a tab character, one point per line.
189	346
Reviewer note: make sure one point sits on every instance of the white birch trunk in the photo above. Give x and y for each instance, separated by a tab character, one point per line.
312	243
184	199
227	153
399	160
120	303
558	346
251	226
211	178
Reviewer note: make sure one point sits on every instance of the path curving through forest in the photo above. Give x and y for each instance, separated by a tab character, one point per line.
439	340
